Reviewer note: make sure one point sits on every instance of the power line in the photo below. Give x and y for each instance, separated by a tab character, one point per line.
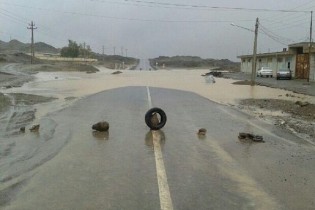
294	8
128	19
287	20
22	19
299	22
273	36
12	18
280	18
193	6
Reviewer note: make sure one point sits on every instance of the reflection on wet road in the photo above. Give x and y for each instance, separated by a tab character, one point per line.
117	170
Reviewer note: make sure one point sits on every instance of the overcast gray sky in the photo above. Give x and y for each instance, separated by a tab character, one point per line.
150	28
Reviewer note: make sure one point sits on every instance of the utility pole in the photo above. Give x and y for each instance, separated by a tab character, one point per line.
84	50
254	54
32	27
310	49
103	52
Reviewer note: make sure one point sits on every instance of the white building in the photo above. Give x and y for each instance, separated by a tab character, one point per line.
296	58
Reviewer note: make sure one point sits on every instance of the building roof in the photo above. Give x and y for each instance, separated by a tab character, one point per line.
271	54
300	44
281	53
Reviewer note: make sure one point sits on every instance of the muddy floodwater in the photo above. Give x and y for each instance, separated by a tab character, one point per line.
21	156
68	86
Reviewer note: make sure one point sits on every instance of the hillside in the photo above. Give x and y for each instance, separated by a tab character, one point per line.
195	62
17	46
15	51
111	60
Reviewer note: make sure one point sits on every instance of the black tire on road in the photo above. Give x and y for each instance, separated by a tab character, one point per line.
162	120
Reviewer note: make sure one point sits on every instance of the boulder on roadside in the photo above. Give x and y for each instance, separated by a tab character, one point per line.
202	131
34	128
101	126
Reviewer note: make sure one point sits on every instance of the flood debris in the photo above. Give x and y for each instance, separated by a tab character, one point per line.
302	103
101	126
289	95
35	128
213	73
155	118
210	79
22	129
117	72
242	136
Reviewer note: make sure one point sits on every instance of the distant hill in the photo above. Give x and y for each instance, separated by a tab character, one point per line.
195	62
111	60
17	46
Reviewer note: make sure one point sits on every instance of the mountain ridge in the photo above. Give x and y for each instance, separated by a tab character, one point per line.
17	46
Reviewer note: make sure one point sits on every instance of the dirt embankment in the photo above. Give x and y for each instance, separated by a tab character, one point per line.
53	67
298	117
17	111
23	62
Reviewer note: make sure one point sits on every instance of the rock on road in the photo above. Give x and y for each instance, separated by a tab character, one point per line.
214	172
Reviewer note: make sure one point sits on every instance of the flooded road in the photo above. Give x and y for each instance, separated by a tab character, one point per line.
117	170
71	167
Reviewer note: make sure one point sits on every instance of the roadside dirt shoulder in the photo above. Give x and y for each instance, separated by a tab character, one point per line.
298	117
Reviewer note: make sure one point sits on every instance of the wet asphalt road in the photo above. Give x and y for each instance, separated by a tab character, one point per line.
117	171
144	65
295	85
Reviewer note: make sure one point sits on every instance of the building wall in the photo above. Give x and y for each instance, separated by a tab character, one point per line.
279	60
275	62
246	65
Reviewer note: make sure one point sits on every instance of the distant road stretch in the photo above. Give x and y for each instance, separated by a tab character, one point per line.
144	65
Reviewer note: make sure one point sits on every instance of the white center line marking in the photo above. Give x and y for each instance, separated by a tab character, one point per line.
149	98
164	191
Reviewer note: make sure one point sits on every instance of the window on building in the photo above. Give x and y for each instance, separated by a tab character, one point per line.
280	60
